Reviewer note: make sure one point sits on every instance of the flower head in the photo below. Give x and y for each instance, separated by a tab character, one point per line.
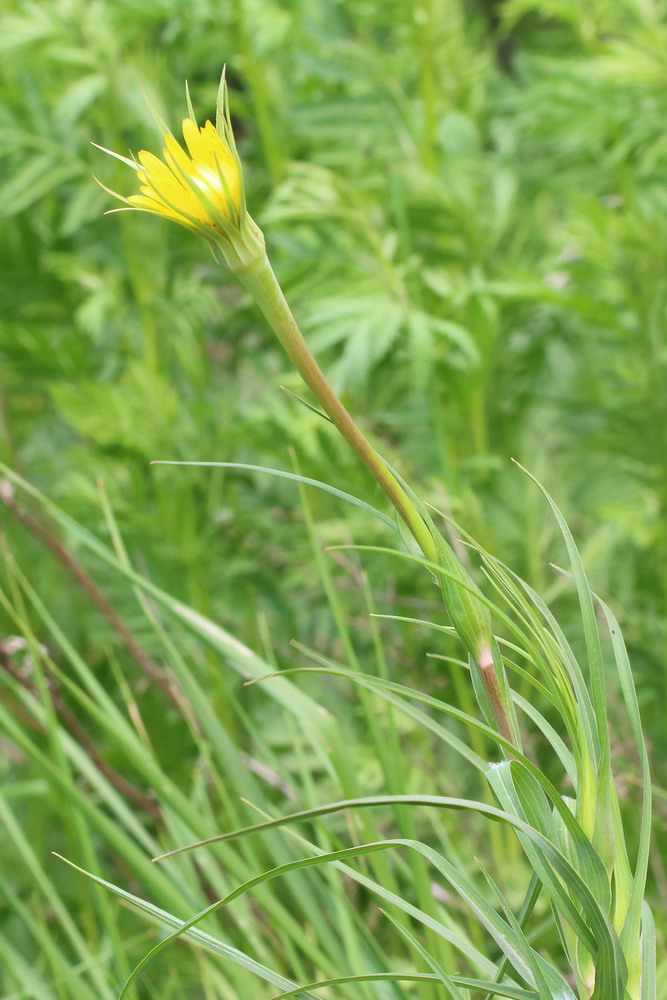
196	188
199	185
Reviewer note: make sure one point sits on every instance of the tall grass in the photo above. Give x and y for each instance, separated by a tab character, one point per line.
593	878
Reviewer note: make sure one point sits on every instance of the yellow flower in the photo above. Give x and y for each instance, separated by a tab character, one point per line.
199	186
196	189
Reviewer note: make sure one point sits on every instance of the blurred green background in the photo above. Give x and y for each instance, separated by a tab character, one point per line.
466	204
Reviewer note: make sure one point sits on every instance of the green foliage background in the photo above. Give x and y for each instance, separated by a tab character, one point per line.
466	204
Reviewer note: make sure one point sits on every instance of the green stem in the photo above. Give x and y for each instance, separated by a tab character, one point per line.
469	616
261	282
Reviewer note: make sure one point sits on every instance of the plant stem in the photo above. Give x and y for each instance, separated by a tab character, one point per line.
469	616
263	285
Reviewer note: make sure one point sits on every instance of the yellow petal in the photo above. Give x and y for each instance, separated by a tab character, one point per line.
193	138
158	175
145	201
150	162
175	153
158	207
216	147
